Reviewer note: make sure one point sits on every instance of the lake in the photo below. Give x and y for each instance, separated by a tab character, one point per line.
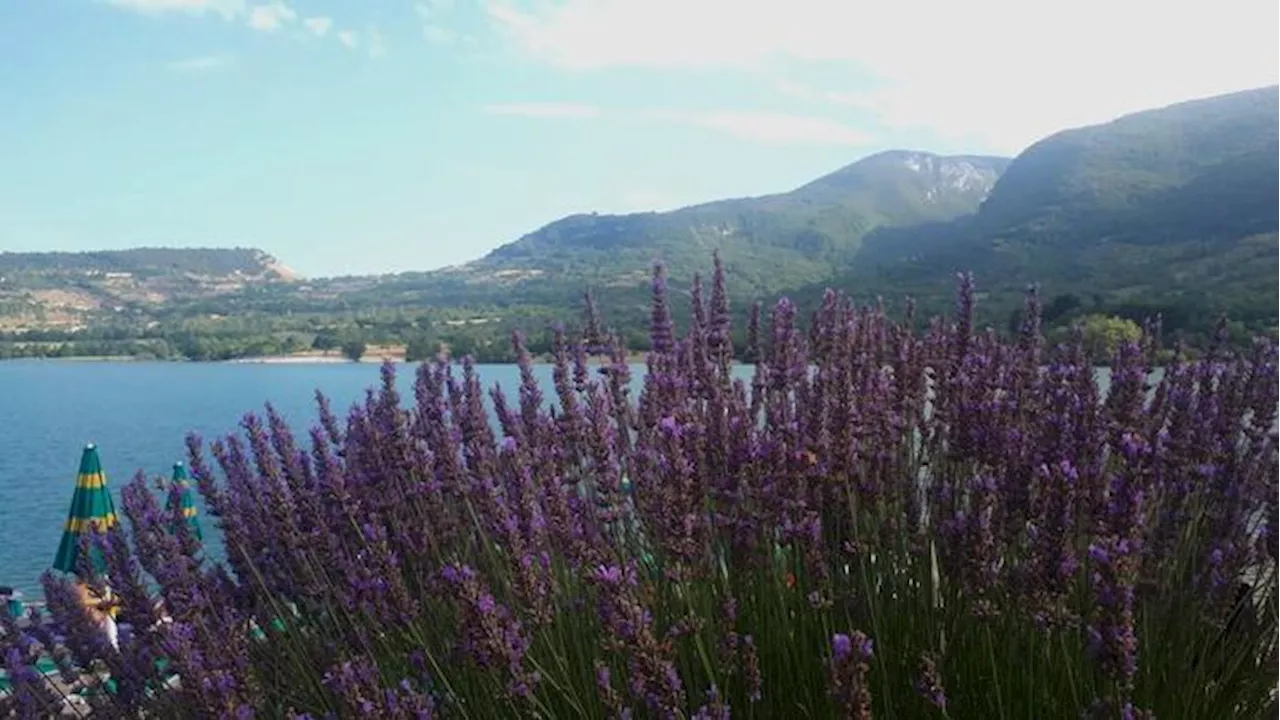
139	415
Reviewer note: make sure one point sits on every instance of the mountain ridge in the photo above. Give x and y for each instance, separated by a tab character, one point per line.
1092	182
801	232
1170	211
64	288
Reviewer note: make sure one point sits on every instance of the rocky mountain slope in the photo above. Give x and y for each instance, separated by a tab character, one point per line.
770	242
1165	208
62	289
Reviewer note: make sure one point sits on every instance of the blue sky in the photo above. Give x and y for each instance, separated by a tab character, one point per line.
355	136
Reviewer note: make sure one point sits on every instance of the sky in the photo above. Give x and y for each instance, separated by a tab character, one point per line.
369	136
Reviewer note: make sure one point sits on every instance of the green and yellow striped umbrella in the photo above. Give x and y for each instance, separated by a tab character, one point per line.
187	499
91	504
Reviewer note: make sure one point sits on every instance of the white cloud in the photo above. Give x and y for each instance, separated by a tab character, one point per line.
377	47
271	16
318	25
797	90
439	35
772	128
348	38
226	8
1002	72
203	63
559	110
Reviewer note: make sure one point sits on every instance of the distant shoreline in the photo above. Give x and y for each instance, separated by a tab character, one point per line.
379	359
86	359
296	360
632	359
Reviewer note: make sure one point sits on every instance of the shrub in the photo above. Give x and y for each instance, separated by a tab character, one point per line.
354	350
1104	334
876	522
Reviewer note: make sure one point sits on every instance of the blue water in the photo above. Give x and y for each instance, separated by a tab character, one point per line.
139	415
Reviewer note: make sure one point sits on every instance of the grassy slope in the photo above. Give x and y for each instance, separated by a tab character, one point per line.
770	243
1168	206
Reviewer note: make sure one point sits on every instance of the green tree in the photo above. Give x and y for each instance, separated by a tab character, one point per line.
1060	307
353	350
421	348
1104	333
324	342
462	345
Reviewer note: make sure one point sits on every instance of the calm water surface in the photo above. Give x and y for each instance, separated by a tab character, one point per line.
139	415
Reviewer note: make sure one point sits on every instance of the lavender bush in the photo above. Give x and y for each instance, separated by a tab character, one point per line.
878	522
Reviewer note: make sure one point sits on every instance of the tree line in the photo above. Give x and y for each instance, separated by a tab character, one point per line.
483	332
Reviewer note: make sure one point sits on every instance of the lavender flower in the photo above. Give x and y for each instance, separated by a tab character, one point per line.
929	682
850	655
671	552
663	335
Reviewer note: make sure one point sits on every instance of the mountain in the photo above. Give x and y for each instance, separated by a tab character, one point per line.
1170	211
1166	209
770	243
56	289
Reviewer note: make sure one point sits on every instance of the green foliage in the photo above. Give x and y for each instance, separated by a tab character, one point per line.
1104	333
1061	306
325	341
420	348
353	350
156	349
200	261
1168	212
769	243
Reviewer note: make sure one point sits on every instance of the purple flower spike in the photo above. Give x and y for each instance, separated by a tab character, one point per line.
849	674
841	646
464	550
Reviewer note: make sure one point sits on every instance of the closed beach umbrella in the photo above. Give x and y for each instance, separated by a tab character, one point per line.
91	504
187	499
